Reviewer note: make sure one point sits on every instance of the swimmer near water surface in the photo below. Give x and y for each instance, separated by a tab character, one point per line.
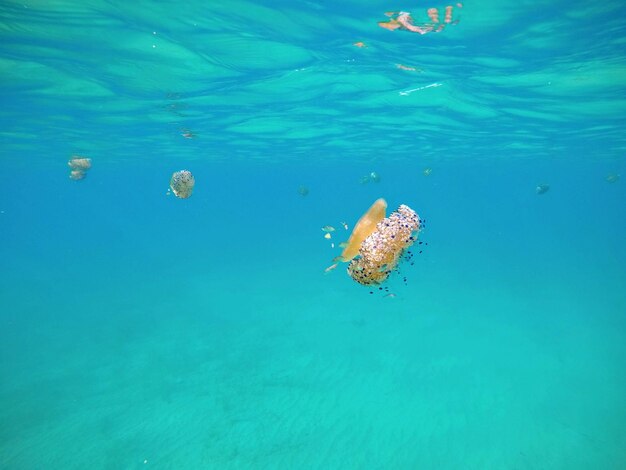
378	243
404	21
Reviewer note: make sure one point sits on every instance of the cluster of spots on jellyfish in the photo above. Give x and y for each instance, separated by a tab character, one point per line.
381	251
182	183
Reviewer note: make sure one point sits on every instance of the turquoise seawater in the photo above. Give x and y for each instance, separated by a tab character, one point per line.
139	330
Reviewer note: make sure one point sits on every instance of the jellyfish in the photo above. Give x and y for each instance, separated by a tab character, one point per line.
303	191
77	175
380	252
182	183
542	188
612	178
79	163
78	167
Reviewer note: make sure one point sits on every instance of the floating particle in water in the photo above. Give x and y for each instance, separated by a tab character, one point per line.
327	235
303	191
182	183
542	188
328	228
612	178
427	171
360	44
344	225
408	68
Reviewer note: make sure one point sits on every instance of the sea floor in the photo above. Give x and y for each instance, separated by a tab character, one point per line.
139	372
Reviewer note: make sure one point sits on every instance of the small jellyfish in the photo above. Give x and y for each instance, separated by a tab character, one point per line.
542	188
182	183
303	191
612	178
77	175
78	167
427	171
328	228
79	163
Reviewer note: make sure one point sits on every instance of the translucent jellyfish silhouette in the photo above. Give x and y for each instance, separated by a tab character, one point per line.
182	183
542	188
77	175
79	163
372	177
78	167
612	178
404	21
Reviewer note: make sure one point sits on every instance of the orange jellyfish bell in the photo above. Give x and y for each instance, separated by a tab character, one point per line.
363	229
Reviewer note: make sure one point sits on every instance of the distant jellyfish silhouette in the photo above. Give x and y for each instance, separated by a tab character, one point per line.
542	188
79	163
612	178
372	177
78	167
303	191
77	175
182	183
